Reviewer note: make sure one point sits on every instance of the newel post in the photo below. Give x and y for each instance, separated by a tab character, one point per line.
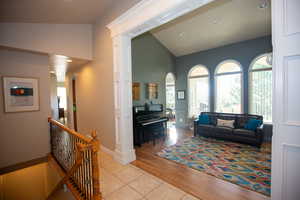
95	166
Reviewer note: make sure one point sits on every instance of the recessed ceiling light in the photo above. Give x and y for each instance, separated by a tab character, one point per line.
69	60
181	34
215	21
263	4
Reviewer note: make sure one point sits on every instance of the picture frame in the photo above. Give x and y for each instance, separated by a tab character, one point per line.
181	94
136	91
152	90
20	94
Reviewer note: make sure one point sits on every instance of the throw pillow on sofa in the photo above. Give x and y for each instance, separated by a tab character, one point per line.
226	123
253	124
204	119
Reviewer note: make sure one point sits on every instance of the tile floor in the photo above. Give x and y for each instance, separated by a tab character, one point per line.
118	182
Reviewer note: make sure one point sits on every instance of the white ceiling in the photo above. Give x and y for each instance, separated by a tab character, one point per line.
53	11
217	24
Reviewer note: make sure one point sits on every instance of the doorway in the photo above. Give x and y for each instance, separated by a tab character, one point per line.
170	98
149	14
74	106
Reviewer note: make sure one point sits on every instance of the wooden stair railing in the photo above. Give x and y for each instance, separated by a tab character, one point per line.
76	158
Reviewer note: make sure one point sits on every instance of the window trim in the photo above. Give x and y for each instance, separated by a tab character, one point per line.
241	72
170	85
171	73
250	70
193	77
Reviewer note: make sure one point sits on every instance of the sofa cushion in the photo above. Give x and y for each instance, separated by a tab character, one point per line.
226	123
204	119
253	124
241	120
206	128
222	130
244	132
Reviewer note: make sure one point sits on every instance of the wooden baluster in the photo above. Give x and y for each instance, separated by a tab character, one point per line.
80	175
73	153
84	174
95	167
90	174
64	142
87	174
77	173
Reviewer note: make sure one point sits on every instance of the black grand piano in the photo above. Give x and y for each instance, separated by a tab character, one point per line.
149	123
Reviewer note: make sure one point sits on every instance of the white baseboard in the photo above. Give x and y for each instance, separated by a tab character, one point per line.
108	151
122	158
125	157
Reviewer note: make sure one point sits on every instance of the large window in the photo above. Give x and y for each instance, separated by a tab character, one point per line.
260	87
198	82
170	91
228	87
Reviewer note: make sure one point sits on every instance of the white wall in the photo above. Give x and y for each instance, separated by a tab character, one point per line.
24	135
73	40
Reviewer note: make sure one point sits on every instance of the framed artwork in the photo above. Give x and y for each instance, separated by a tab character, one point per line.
136	91
181	94
21	94
152	90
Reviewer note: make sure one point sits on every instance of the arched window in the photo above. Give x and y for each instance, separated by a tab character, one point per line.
198	85
260	86
170	91
228	77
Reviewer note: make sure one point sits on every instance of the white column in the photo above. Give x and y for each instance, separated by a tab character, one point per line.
124	151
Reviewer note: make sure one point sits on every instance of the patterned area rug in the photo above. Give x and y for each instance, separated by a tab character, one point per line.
241	164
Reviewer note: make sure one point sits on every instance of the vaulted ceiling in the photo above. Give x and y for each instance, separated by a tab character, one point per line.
219	23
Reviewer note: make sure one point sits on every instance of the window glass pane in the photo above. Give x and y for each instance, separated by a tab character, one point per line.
228	93
62	94
198	96
261	94
198	71
170	80
229	67
170	91
261	63
170	97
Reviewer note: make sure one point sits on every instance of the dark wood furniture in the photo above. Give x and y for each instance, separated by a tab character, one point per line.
149	123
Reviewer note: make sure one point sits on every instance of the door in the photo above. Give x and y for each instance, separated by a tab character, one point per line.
74	104
286	106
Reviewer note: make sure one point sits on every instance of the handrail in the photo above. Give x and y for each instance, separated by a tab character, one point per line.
77	155
70	131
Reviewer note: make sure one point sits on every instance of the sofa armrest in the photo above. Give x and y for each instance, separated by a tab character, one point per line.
260	129
195	127
260	133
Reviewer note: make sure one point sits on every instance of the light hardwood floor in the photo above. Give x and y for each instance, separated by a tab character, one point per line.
194	182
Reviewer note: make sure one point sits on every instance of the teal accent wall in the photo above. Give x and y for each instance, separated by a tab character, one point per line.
151	62
244	52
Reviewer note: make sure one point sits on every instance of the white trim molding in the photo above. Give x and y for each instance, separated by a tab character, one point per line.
148	14
144	16
108	151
